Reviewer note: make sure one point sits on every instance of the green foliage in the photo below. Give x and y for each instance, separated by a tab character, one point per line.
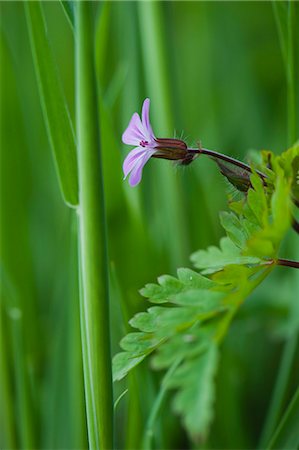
196	310
151	229
195	381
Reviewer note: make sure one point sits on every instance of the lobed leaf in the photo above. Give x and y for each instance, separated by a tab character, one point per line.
122	364
186	331
169	286
216	258
195	398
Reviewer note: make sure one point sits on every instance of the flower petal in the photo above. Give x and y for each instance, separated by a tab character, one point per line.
130	160
134	133
146	122
136	173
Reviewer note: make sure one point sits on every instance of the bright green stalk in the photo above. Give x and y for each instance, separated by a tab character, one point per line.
76	390
56	114
93	242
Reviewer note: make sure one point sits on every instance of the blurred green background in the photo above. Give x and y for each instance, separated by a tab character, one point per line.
214	73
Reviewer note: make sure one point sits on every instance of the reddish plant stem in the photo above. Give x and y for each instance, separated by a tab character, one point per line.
287	263
229	159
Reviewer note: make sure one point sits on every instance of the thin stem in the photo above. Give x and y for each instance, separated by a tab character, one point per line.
229	159
149	428
288	263
278	394
93	243
286	434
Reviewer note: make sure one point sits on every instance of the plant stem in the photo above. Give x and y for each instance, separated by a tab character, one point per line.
149	428
93	243
274	411
286	433
229	159
288	263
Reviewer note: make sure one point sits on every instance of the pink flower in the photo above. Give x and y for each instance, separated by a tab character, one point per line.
140	134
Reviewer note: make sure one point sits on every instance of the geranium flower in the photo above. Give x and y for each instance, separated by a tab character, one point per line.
140	134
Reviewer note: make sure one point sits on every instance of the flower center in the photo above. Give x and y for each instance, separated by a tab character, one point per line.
143	143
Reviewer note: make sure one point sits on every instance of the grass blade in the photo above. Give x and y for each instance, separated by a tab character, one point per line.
287	433
56	115
95	298
149	429
68	9
279	390
8	429
284	16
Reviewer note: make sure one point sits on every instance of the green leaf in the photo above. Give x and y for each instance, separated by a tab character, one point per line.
193	279
139	343
123	362
55	110
169	286
215	258
237	176
195	397
183	345
185	332
256	199
203	299
146	321
234	228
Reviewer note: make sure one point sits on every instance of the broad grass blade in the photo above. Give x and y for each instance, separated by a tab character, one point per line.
56	114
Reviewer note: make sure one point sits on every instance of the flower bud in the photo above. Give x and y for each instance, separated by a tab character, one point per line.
175	150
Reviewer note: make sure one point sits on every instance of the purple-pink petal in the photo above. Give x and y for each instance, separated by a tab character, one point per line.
136	173
145	120
140	134
134	133
131	158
